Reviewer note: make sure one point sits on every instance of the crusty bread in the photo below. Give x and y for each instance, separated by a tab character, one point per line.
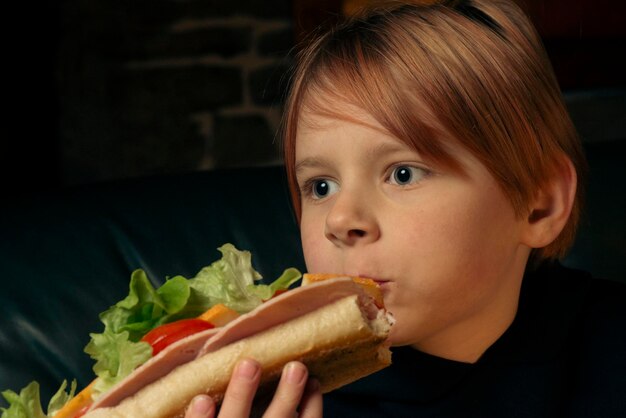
337	342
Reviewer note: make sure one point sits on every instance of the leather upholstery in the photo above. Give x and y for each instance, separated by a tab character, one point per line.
67	257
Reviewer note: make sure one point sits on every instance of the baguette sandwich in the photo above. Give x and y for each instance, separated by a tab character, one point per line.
333	327
156	353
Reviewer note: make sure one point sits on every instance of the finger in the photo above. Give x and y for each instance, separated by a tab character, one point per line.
311	405
201	406
241	389
289	392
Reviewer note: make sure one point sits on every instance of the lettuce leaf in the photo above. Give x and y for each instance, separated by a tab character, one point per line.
60	398
27	404
116	357
226	281
266	292
146	307
231	281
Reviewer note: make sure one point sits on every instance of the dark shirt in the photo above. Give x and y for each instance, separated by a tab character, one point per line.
564	355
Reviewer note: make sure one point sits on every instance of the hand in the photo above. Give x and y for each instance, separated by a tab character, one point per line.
293	397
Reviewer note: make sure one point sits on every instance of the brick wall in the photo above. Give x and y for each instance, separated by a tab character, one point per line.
158	86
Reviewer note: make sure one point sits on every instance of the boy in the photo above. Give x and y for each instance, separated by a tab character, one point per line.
427	147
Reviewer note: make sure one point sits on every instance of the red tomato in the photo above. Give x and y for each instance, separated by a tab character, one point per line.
166	334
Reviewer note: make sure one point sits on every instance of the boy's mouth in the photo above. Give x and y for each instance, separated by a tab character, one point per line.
378	281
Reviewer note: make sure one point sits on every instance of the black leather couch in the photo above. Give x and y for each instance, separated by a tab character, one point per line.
64	258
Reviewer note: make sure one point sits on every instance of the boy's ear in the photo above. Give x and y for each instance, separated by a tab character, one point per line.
551	207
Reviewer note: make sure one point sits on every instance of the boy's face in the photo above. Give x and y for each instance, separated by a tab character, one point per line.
444	246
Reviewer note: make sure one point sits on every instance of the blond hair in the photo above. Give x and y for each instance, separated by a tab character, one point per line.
470	71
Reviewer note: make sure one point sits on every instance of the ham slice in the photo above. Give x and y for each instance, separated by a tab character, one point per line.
288	306
283	308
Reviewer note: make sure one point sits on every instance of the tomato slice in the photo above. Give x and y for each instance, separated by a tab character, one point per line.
164	335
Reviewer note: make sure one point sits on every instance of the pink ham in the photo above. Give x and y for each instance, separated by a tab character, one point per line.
280	309
290	305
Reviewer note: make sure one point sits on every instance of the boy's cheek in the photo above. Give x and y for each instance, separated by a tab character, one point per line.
316	262
314	255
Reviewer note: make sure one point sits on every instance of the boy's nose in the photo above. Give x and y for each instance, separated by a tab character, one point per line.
351	222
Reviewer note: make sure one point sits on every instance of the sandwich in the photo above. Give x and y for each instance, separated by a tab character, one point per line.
337	326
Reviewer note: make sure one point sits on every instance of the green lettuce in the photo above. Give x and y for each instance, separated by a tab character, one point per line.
116	357
60	398
231	281
146	307
27	404
266	292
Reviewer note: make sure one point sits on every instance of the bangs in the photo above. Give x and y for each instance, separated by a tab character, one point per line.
351	70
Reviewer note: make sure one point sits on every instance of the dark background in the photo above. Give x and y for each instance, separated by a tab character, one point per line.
108	89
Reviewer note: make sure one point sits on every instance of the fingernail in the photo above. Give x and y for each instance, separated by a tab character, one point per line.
202	405
294	373
247	369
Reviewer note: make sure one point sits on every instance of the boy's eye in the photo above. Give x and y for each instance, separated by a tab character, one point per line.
322	188
405	174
